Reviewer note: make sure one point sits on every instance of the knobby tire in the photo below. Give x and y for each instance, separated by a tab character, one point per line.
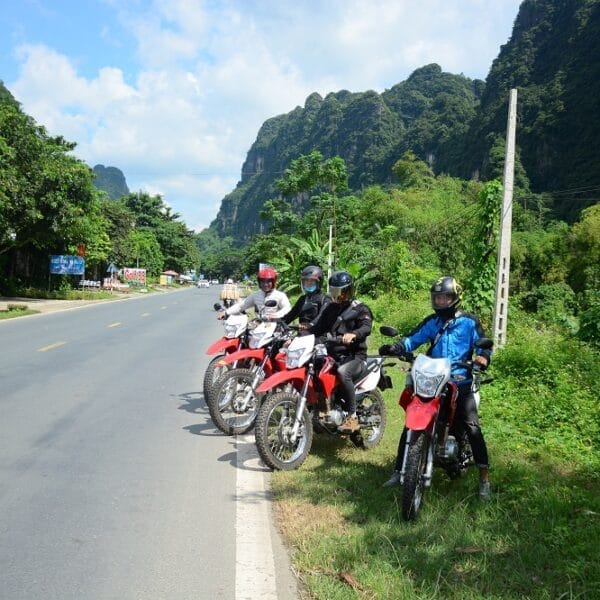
275	418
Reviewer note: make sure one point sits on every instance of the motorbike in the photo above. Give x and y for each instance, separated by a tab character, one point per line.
234	402
287	419
234	337
433	437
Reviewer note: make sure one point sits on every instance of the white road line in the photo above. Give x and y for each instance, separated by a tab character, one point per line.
254	565
115	324
51	346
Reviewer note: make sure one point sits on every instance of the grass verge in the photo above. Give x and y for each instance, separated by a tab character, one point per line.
536	539
11	314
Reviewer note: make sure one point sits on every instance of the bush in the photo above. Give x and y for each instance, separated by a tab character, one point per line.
589	325
17	307
553	302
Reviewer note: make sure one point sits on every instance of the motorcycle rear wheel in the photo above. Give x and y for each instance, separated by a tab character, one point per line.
414	483
228	392
275	419
372	407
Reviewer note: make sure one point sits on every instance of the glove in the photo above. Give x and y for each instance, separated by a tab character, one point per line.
386	350
399	348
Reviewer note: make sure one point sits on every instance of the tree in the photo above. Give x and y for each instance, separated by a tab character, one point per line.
410	171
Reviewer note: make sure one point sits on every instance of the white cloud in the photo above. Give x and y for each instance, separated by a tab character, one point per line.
211	74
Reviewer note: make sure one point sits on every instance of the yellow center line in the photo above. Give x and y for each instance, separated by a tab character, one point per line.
145	314
55	345
115	324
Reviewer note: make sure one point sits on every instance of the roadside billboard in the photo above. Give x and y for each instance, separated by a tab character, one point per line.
64	264
134	276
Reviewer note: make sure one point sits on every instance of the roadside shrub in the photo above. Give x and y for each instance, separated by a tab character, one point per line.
589	325
553	303
17	307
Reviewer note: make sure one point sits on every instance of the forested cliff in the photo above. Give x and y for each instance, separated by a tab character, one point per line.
456	124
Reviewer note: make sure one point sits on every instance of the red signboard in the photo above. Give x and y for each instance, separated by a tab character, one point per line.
134	275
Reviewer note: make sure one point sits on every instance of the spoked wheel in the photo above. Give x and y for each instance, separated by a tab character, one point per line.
212	374
414	479
277	445
372	417
234	403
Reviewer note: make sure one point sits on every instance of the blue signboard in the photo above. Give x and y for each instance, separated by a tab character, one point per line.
67	265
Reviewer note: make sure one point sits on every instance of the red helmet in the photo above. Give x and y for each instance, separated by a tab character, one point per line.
268	273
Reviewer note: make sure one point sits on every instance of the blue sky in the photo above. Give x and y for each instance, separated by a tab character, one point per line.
173	92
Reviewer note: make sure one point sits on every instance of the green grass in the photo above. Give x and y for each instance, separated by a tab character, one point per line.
11	314
536	539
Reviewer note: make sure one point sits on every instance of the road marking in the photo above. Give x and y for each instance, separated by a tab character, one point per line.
145	314
163	307
254	564
115	324
51	346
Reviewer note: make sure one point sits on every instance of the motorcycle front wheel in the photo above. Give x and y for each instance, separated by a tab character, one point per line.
234	404
372	417
414	478
212	375
273	432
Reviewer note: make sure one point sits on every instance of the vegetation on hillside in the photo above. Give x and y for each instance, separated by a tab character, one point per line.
455	124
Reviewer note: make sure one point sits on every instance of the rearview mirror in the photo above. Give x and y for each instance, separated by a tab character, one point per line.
388	331
217	306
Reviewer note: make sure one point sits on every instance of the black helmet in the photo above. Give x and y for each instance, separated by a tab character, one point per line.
311	272
446	294
341	282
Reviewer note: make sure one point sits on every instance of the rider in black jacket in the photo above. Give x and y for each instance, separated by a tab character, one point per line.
308	306
350	321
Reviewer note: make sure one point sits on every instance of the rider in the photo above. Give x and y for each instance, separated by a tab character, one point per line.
230	293
267	282
350	320
452	334
308	306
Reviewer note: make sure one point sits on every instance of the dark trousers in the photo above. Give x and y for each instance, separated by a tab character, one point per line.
349	372
466	418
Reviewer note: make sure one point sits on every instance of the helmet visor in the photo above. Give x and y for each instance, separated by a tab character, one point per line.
441	300
338	293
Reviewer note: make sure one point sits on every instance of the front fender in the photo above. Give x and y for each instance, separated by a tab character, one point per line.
257	353
281	377
420	415
223	345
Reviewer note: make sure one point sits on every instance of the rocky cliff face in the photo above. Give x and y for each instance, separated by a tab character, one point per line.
111	180
552	60
456	124
370	131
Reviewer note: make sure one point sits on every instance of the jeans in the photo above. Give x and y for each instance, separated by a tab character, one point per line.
349	372
466	419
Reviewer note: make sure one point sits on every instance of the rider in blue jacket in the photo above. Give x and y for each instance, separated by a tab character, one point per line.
452	335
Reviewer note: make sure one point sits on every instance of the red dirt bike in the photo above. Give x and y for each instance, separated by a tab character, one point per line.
234	338
432	438
234	403
286	420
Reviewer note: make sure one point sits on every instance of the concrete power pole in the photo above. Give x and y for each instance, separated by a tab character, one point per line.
503	270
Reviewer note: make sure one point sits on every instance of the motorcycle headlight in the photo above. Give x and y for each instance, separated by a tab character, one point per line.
255	339
230	331
427	385
293	358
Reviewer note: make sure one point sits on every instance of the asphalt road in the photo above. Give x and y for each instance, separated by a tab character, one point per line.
113	481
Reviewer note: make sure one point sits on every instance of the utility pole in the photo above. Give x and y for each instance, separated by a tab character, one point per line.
503	269
330	256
